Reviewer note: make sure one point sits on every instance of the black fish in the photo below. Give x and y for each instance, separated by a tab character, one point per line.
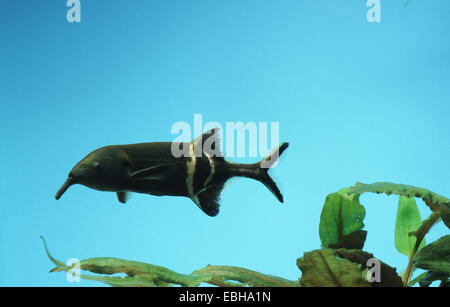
151	168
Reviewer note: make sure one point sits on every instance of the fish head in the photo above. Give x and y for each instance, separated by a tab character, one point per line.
105	169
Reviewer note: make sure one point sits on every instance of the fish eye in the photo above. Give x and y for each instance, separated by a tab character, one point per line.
98	165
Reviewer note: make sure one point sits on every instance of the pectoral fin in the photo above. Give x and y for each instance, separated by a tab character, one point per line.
123	196
158	172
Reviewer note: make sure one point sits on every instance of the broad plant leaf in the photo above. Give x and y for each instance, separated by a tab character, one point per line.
323	268
354	240
341	217
435	257
408	220
435	202
446	218
429	277
388	274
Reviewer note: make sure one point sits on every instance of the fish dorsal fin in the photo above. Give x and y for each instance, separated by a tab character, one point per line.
123	196
209	199
158	171
210	142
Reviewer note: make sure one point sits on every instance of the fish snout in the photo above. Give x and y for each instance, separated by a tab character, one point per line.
70	181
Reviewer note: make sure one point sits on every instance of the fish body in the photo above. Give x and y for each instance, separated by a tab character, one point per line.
200	173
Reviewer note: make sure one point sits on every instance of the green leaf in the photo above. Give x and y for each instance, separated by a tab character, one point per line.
344	192
446	218
223	276
323	268
408	220
138	273
435	257
341	216
437	203
417	279
429	277
149	275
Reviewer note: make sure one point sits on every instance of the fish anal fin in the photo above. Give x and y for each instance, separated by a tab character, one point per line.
123	196
209	199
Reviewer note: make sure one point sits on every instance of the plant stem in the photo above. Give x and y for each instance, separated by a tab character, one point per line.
419	237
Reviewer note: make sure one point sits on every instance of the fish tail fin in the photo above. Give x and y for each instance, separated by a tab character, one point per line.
264	166
208	199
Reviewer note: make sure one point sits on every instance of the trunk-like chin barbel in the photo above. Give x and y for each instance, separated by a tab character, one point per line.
64	187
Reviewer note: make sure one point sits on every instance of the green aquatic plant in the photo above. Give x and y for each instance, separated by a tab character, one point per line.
341	260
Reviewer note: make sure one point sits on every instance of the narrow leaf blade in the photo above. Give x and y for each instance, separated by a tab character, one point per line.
435	202
408	220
